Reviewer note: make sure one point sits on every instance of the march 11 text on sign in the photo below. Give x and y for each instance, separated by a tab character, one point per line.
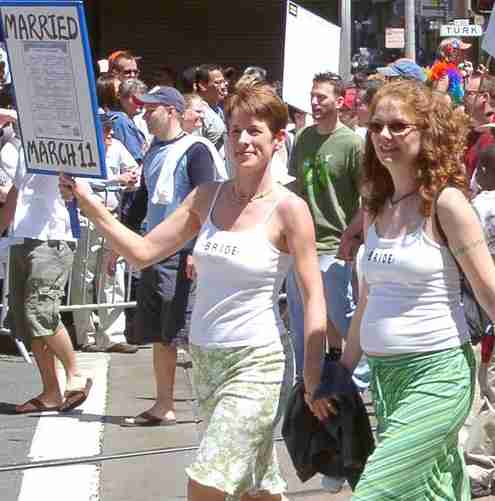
50	60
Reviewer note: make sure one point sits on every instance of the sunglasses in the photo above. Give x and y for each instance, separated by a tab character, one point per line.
395	128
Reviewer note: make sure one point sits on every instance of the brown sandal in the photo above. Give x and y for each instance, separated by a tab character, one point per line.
75	398
34	405
147	419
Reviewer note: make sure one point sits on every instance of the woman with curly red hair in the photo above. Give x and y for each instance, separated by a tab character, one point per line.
420	229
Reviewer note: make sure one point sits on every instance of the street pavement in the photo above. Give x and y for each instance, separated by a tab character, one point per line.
123	387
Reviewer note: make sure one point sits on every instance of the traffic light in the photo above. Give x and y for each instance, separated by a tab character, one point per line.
483	6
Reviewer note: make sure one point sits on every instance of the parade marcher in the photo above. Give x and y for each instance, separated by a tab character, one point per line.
193	116
212	87
41	257
479	104
445	74
124	127
326	161
403	68
238	356
420	230
365	96
165	292
95	271
123	64
480	444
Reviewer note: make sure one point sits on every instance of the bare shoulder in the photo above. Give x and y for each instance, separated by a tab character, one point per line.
452	202
293	213
203	198
291	205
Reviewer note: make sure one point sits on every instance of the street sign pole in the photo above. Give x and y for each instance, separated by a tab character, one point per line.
345	40
410	51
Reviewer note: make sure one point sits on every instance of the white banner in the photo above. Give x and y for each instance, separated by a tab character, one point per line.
312	45
488	43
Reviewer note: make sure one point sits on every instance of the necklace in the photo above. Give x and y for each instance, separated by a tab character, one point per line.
241	198
407	195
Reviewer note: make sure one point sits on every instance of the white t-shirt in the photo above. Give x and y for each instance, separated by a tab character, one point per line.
9	158
4	59
143	127
118	160
484	205
40	211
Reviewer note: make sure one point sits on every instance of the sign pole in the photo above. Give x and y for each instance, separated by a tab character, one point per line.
410	51
346	39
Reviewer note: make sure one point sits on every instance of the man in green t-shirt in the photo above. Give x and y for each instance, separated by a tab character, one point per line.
325	161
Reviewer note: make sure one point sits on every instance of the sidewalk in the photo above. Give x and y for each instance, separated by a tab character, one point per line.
162	477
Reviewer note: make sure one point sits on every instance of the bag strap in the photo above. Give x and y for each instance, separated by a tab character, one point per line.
437	221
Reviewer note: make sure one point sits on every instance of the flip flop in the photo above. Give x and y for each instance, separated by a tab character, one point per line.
147	419
75	398
34	405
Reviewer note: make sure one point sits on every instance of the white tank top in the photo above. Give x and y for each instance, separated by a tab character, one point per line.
240	274
414	299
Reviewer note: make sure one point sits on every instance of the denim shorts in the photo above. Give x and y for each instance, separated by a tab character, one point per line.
165	297
38	273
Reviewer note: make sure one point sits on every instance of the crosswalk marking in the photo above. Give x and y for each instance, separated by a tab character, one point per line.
71	435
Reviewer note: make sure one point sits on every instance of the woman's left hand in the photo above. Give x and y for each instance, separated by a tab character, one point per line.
70	188
321	408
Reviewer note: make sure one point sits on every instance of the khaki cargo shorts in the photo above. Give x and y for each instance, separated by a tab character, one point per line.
38	273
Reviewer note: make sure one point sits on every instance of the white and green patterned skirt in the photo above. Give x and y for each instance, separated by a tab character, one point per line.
241	393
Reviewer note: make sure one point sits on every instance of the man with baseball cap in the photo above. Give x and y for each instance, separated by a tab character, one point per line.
165	291
404	68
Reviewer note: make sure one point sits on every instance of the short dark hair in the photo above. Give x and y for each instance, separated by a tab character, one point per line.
117	56
188	79
203	72
335	80
106	91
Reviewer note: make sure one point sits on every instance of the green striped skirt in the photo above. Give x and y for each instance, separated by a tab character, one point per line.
421	402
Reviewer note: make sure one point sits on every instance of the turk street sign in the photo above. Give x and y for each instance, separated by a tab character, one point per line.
461	30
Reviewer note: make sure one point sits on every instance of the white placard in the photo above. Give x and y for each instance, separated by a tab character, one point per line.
459	30
54	87
395	38
312	45
488	43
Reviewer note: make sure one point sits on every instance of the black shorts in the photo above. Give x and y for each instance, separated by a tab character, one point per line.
165	298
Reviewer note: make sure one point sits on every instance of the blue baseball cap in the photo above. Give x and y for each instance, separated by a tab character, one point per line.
106	119
405	68
168	96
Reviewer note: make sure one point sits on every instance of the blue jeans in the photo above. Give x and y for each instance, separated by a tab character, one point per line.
337	284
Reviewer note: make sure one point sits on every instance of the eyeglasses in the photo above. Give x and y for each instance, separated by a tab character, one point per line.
395	128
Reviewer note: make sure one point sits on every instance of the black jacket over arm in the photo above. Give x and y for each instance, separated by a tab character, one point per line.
338	447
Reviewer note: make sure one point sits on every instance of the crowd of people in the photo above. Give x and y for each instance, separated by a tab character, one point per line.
371	211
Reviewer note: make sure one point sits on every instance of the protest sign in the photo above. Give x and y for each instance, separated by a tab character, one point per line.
488	43
50	62
312	45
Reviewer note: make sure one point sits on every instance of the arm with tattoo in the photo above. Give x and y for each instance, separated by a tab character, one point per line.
459	251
